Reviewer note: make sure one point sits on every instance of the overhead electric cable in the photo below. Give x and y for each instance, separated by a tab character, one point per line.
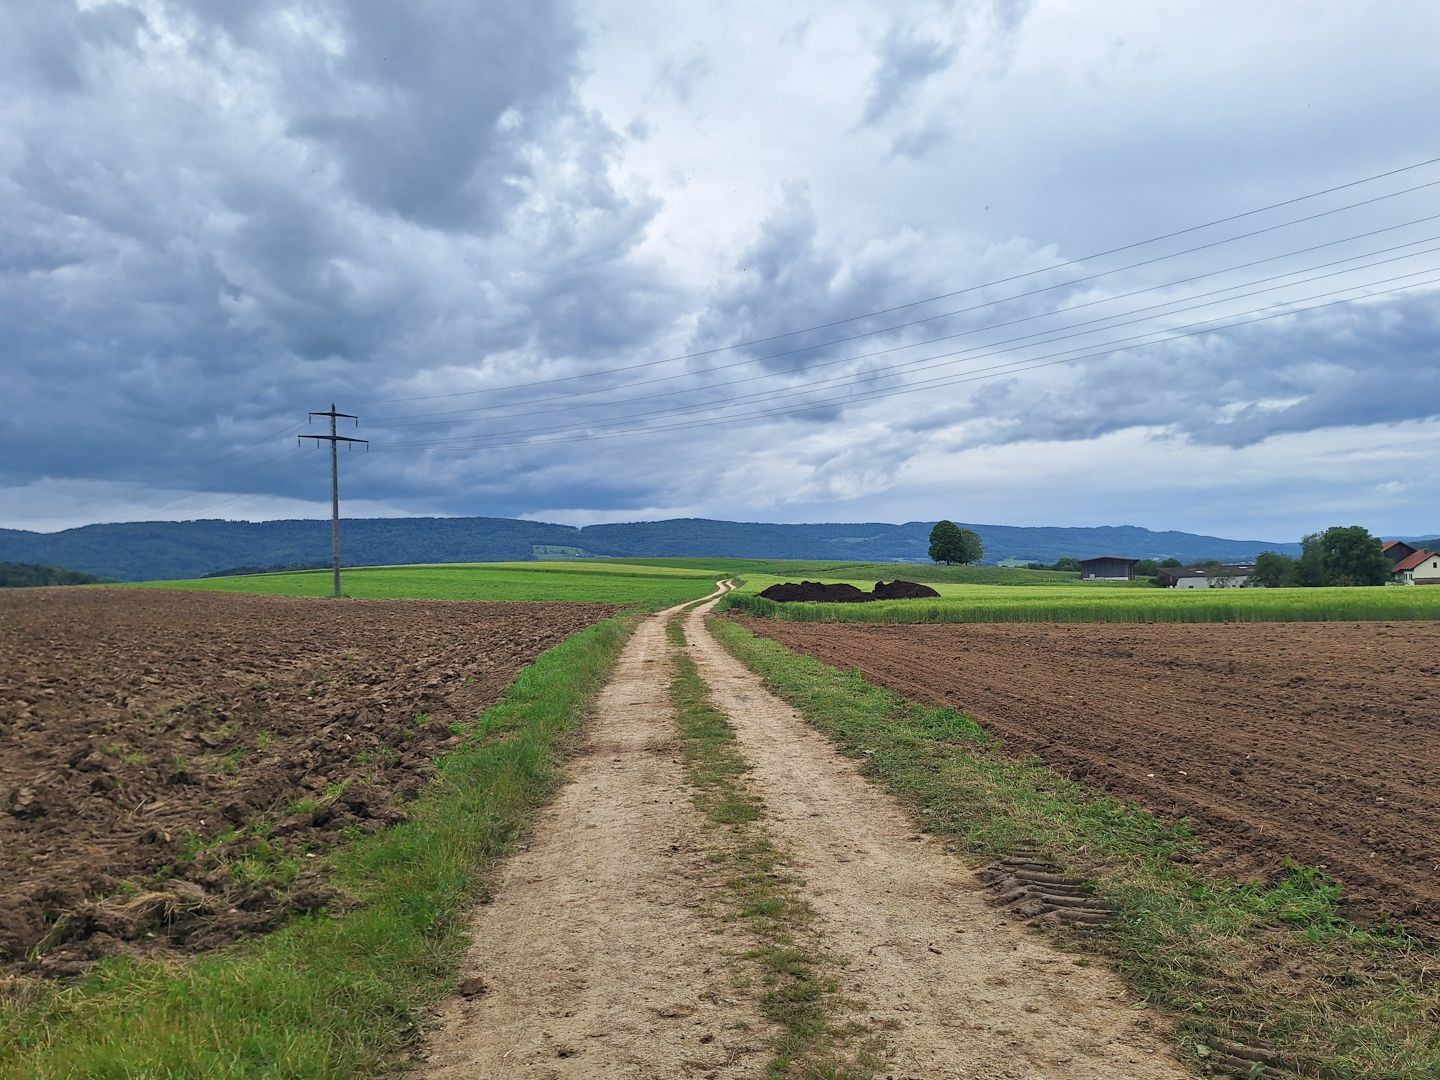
992	326
989	284
990	349
1010	367
570	396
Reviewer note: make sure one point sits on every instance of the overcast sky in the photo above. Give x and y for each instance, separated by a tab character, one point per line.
529	242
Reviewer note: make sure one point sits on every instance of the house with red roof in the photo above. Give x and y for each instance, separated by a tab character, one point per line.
1418	568
1395	550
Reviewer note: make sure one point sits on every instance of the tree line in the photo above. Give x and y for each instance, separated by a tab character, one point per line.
1340	555
29	575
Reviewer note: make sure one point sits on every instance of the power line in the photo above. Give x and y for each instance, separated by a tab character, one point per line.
335	440
991	349
990	284
1012	367
287	429
991	326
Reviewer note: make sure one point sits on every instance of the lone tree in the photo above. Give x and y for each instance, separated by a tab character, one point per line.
1343	555
951	544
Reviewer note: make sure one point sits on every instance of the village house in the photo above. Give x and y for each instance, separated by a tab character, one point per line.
1206	577
1396	550
1420	567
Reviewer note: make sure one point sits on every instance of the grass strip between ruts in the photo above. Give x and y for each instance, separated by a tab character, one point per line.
799	992
1270	964
330	995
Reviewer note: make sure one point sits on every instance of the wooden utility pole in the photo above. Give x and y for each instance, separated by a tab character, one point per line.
335	440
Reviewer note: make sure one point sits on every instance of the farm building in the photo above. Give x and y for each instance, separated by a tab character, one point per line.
1397	550
1107	568
1206	577
1418	568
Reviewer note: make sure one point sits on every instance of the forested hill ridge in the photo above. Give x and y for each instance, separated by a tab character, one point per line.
151	550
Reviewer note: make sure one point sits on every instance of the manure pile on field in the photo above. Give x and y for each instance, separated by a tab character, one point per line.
819	592
173	765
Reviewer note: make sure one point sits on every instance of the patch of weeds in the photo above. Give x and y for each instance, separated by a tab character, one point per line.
305	806
266	863
798	991
264	740
1272	964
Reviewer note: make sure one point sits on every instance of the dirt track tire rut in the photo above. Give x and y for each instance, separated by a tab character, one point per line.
595	957
959	990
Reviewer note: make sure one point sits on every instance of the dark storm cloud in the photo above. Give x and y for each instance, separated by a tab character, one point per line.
215	216
1372	363
788	269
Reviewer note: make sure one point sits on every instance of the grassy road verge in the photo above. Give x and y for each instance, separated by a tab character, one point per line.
799	992
330	995
1274	966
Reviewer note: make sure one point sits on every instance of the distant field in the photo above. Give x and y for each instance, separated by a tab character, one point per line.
651	587
862	572
1087	603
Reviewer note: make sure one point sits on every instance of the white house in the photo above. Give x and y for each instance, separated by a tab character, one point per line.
1418	568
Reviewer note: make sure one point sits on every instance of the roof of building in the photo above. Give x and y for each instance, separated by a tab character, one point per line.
1236	570
1385	546
1412	560
1107	558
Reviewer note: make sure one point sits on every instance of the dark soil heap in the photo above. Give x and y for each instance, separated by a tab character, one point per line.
901	590
846	594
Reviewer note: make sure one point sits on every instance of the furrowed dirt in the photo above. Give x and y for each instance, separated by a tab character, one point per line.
164	756
1319	742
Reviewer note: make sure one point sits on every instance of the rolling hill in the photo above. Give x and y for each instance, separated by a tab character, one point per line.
138	551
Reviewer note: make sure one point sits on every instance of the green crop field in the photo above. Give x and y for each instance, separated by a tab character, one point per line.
648	587
864	573
1093	602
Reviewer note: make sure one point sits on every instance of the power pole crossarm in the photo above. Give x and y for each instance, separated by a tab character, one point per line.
335	440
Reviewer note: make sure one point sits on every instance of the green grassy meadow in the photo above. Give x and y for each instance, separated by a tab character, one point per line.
1103	602
861	572
644	587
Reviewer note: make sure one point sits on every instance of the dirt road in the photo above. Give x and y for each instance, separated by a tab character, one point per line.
600	961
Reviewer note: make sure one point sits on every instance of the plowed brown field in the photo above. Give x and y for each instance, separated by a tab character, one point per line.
144	735
1316	741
